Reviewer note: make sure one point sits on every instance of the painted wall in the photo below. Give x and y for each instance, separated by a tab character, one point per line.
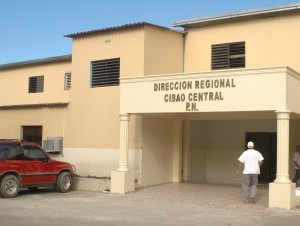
216	145
14	91
271	41
293	97
100	162
163	51
93	123
197	163
90	124
93	115
159	145
15	82
142	51
219	91
11	122
294	140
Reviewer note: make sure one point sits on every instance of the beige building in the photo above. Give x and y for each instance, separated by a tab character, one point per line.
147	105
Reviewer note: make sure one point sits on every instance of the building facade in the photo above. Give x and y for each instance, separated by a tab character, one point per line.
147	104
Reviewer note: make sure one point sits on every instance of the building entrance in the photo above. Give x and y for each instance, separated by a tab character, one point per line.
266	144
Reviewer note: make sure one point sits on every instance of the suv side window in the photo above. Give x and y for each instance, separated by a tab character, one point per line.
4	149
12	152
34	153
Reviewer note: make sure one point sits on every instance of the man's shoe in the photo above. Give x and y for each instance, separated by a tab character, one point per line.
252	200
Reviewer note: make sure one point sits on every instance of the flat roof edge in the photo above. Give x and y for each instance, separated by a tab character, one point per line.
239	15
36	61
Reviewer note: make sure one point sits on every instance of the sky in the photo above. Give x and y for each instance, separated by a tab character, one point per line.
34	29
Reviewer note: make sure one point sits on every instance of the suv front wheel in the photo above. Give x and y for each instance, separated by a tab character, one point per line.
10	186
64	182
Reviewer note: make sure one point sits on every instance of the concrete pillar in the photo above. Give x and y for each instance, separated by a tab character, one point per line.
282	192
123	159
122	180
282	175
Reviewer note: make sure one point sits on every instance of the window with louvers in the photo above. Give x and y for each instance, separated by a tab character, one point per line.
105	72
228	55
67	85
36	84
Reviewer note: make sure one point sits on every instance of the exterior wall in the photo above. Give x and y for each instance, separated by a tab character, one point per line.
14	84
269	42
294	140
90	123
160	142
163	51
197	161
52	120
14	91
177	150
216	146
92	129
93	117
102	104
100	162
247	90
292	95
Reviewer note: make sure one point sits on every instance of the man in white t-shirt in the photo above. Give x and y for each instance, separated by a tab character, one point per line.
296	160
251	160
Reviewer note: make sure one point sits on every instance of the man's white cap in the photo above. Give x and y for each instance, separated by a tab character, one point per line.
250	144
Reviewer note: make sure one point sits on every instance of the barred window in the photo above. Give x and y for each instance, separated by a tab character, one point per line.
105	72
36	84
228	55
67	84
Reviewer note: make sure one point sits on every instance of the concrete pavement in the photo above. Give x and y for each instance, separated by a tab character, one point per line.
169	204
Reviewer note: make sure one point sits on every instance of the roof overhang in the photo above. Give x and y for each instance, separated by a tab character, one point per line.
239	16
29	106
117	28
36	62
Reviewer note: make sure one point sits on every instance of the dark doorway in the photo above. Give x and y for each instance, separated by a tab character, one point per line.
33	134
266	144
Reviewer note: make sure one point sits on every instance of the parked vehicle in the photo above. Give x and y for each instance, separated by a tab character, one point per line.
27	165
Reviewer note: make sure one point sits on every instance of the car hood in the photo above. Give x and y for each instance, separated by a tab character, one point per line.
59	162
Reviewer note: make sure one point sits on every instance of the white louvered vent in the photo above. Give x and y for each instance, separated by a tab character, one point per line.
68	79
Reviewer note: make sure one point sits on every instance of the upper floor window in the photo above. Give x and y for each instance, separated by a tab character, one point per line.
36	84
67	84
228	55
105	72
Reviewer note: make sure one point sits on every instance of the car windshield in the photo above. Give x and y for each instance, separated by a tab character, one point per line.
5	149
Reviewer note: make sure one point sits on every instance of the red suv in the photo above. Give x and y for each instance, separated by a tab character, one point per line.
27	165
